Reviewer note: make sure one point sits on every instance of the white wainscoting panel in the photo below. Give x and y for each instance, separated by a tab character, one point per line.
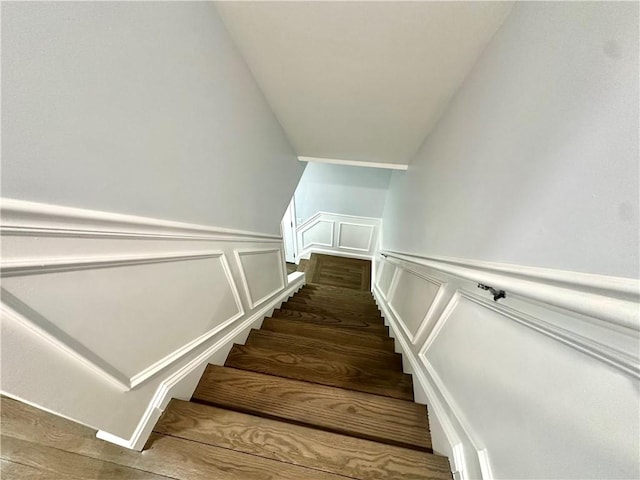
129	302
338	234
412	300
262	273
520	385
385	277
352	236
102	313
319	233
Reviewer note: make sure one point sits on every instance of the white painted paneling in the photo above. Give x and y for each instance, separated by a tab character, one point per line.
262	273
522	387
352	236
387	271
105	315
124	305
575	406
337	234
412	297
318	233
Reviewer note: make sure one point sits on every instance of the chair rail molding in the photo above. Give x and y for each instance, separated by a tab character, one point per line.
121	304
448	328
338	234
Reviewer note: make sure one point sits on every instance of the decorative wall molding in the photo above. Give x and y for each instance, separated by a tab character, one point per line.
607	298
369	242
453	433
239	253
364	232
24	218
66	271
542	301
315	228
64	343
430	307
21	267
623	361
163	393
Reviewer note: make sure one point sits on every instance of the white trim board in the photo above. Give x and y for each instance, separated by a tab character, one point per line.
615	299
354	163
163	392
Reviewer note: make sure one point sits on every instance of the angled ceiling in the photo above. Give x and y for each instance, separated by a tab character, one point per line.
360	81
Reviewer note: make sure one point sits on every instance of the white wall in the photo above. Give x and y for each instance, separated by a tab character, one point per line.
139	108
341	189
535	162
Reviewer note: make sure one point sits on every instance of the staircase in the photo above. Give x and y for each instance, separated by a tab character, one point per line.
317	388
316	394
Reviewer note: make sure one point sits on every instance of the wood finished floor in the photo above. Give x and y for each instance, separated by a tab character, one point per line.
317	393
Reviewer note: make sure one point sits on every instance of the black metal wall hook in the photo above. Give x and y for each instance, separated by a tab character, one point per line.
497	294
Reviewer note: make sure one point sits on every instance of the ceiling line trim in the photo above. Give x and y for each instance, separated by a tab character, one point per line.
354	163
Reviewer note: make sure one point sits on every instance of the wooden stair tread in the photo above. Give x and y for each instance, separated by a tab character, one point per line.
333	290
330	311
332	334
311	368
347	306
372	326
327	296
372	417
55	463
374	358
18	471
165	456
307	447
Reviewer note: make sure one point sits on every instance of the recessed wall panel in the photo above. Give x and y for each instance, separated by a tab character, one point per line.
119	316
411	299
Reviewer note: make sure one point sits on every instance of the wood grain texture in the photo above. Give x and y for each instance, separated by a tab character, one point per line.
17	471
346	305
311	368
164	455
321	295
331	311
339	271
371	326
307	447
342	336
337	291
361	415
361	356
61	464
